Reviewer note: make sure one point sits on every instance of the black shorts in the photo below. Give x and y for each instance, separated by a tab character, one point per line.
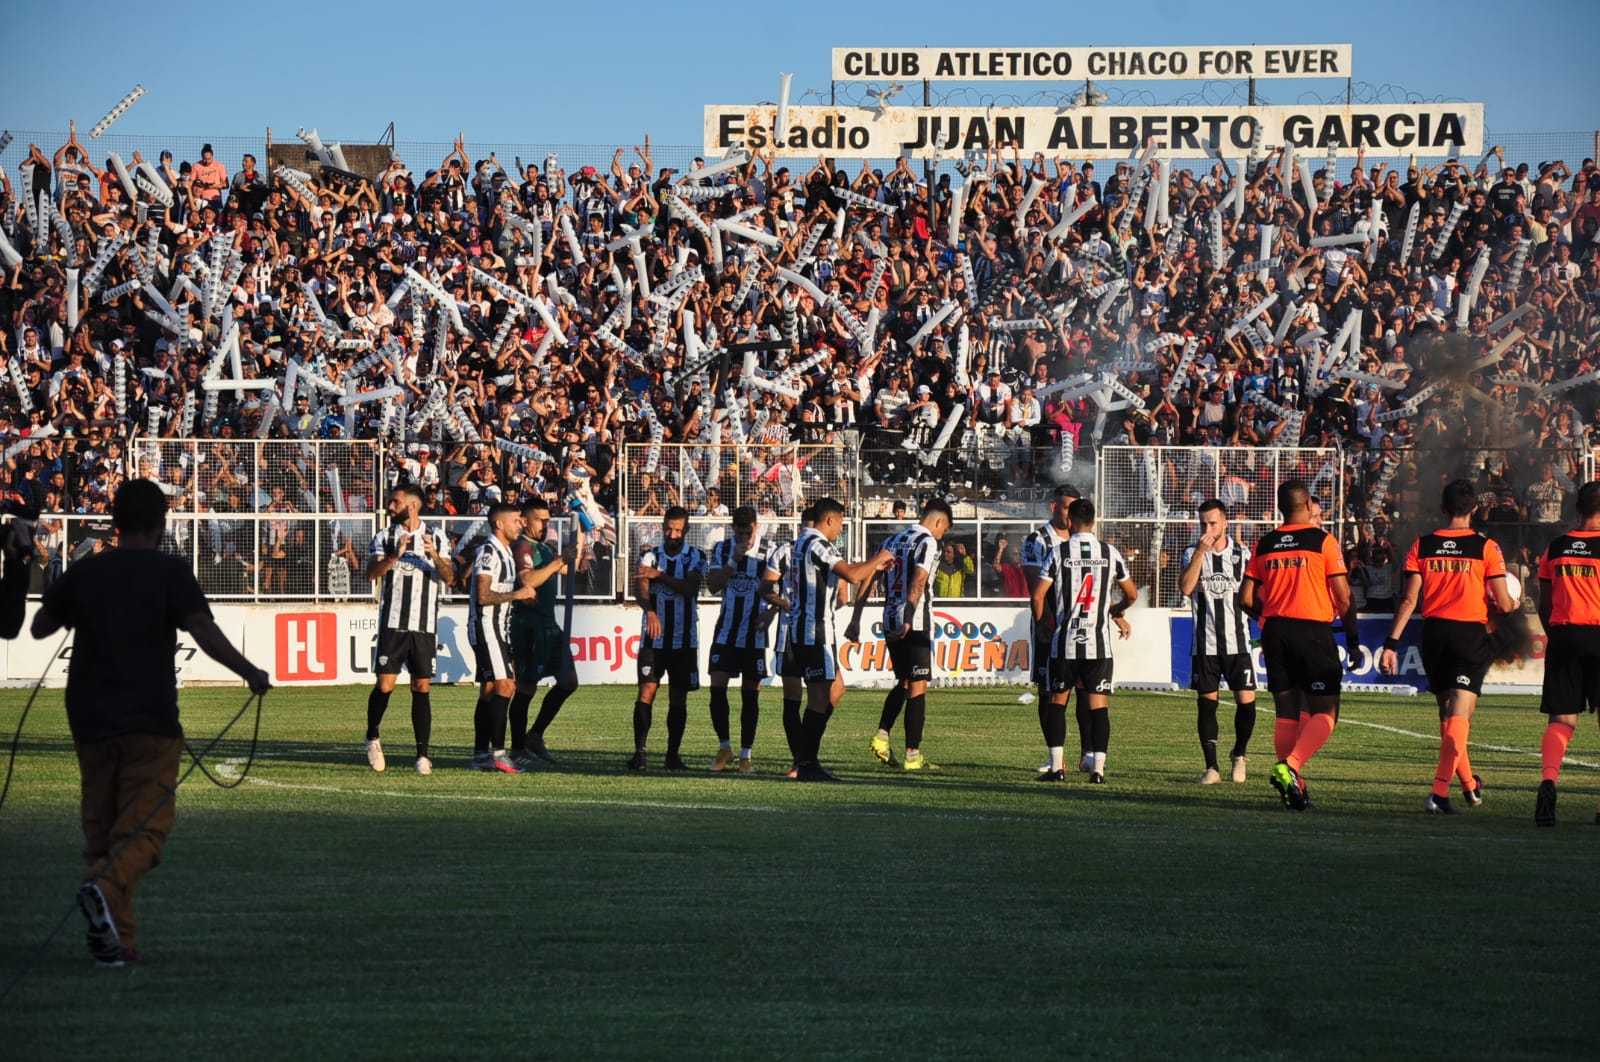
1041	661
789	665
735	662
494	657
411	650
1571	670
1455	655
1207	673
912	657
815	663
677	667
537	651
1301	656
1089	676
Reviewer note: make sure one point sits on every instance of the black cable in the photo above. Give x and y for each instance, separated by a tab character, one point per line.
38	953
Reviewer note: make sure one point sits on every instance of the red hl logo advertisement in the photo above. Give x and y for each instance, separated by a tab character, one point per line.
307	647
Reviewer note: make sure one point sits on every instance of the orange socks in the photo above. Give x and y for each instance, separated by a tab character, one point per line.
1553	749
1463	728
1284	733
1452	754
1313	733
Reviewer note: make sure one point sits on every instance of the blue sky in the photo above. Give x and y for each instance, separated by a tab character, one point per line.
604	73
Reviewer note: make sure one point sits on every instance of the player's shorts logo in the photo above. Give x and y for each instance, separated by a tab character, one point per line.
1103	686
1319	686
1464	680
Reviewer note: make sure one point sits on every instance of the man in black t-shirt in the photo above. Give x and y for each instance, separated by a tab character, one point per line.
126	606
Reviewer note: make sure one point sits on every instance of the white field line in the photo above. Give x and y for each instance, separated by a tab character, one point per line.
1345	719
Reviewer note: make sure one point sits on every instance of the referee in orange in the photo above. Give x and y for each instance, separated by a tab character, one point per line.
1297	583
1569	607
1453	570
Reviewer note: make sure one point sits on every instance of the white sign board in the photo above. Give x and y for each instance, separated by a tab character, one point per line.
1426	129
1143	63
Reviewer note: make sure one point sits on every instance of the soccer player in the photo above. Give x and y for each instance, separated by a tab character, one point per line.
1297	583
789	668
744	576
1569	607
1213	571
492	589
127	605
1453	570
539	647
411	564
817	571
666	587
1036	551
908	629
1081	571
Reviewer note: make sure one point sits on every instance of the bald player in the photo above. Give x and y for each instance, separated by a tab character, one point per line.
1569	606
1297	582
1452	570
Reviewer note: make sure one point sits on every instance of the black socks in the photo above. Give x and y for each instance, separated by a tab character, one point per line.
377	704
1206	724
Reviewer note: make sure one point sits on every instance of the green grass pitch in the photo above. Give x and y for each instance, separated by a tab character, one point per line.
322	910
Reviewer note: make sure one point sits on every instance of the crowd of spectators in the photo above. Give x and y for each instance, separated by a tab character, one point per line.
1019	373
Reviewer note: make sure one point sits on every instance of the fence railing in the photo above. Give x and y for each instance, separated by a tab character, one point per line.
779	479
257	476
289	556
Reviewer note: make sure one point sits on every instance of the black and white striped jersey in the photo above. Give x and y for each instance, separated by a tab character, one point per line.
1082	572
1220	625
1036	550
408	594
913	547
778	558
739	623
811	561
486	621
680	627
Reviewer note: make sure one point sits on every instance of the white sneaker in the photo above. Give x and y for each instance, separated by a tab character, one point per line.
1210	777
1044	768
375	758
1086	764
424	765
1238	768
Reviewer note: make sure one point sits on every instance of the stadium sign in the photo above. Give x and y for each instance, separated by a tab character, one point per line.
1429	129
1114	64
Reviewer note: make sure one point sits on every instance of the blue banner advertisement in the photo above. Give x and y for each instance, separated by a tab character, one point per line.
1363	670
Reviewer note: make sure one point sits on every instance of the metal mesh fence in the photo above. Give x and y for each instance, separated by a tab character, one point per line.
217	476
777	480
1148	498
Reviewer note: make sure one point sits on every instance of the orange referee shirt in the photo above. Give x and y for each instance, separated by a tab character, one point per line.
1572	568
1456	564
1293	565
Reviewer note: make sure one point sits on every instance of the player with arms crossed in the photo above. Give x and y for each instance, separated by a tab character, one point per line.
411	564
817	569
1453	570
1297	583
1036	551
492	589
908	629
1081	571
539	646
746	579
1569	606
1213	572
666	587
